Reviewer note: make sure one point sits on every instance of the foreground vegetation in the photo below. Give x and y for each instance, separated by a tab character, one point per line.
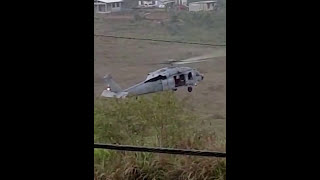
158	120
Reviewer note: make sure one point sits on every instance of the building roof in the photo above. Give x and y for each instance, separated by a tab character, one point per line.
110	1
202	2
166	1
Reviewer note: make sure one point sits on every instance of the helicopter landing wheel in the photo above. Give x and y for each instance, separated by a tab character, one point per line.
189	89
175	89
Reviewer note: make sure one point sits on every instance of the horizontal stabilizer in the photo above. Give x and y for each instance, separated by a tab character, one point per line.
109	94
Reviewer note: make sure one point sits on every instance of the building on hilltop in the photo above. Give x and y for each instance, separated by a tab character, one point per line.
202	6
107	6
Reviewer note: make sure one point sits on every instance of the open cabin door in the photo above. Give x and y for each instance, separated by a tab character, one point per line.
180	80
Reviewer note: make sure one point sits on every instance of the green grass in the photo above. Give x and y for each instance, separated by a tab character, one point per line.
157	120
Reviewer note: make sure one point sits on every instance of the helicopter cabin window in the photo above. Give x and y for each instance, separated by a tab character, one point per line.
156	78
190	76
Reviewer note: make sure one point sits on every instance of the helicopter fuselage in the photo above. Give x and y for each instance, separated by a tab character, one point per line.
166	79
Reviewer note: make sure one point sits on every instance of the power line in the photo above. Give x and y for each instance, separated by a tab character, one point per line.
159	40
160	150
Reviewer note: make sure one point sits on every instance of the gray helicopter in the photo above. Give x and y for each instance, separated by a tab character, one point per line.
164	79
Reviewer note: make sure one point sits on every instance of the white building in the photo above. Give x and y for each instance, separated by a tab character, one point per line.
202	6
148	3
107	6
154	3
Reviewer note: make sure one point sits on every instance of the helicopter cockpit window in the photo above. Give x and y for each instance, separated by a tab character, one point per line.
156	79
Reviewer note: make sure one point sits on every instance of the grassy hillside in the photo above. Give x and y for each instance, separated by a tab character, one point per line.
208	27
158	120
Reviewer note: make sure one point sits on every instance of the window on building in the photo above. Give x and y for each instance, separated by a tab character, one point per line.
208	5
113	5
102	8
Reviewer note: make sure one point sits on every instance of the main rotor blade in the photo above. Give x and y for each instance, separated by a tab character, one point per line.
189	62
196	59
207	56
